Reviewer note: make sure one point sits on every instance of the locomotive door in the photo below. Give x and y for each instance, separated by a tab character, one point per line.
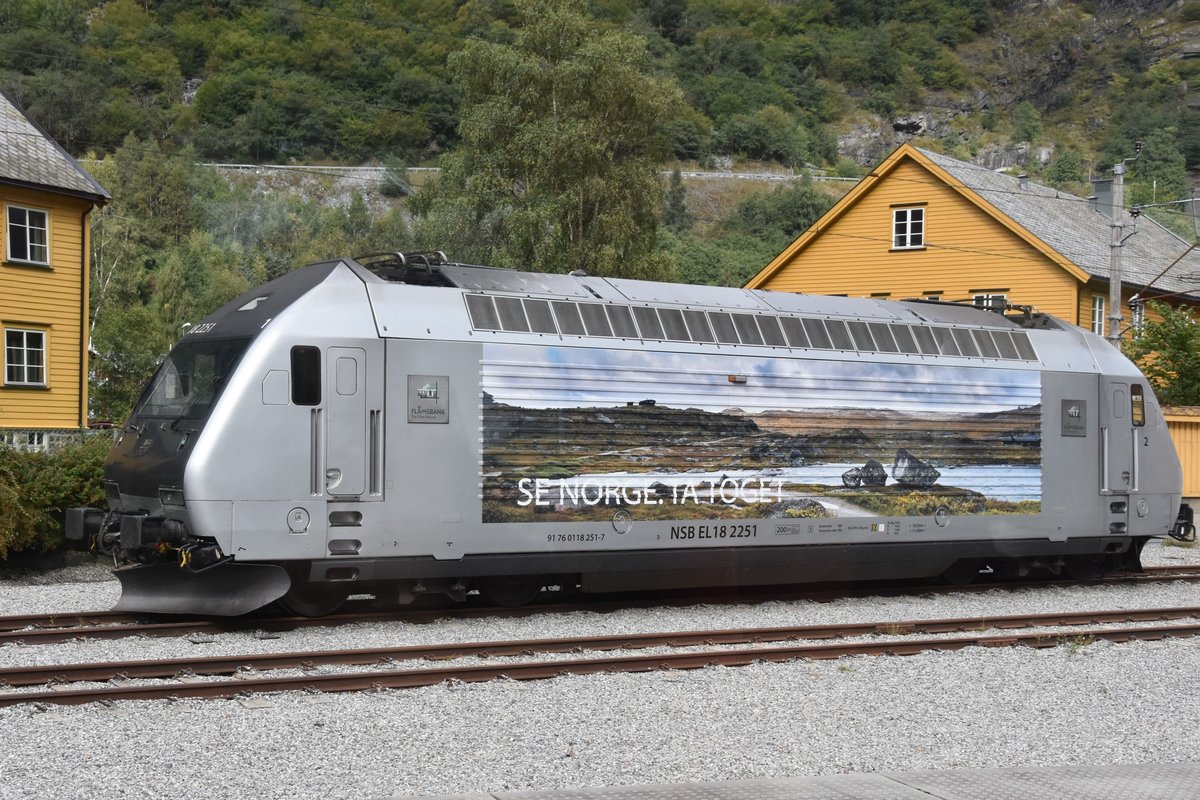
1118	455
346	445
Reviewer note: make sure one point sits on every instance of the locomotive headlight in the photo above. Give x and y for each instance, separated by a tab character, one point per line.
171	497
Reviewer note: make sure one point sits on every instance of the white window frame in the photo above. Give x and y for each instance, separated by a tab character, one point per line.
1099	320
908	228
24	230
986	300
25	369
31	441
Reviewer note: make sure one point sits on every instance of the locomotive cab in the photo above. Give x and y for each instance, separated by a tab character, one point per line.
163	518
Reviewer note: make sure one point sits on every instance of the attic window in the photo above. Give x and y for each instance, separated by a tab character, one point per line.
908	228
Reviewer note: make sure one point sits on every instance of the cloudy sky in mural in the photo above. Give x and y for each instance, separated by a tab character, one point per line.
566	377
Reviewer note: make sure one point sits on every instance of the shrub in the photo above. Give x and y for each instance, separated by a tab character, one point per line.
37	488
20	523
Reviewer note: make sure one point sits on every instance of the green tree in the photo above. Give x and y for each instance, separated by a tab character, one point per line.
1160	172
675	211
779	216
769	133
1066	169
557	166
729	260
127	342
1168	352
1027	122
1189	139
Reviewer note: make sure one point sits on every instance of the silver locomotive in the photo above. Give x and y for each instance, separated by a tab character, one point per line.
397	425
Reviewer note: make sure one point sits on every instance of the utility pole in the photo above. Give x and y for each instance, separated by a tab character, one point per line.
1117	229
1116	243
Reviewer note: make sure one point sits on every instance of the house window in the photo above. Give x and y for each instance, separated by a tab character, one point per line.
25	440
24	358
992	302
28	235
1098	314
908	228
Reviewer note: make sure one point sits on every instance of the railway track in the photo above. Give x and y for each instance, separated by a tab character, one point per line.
61	627
186	677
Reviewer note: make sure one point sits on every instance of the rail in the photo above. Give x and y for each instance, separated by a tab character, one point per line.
388	677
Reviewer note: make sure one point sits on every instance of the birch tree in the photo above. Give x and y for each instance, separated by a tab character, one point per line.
561	145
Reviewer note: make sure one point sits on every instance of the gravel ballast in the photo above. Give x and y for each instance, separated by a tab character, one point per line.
1081	703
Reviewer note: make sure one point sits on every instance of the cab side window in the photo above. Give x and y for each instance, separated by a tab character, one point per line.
306	375
1137	406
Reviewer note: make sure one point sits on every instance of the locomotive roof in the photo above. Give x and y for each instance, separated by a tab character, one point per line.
421	299
587	288
578	306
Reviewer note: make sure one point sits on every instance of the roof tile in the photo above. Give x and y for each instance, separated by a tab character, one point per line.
1069	225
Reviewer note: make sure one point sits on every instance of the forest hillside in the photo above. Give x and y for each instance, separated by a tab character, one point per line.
812	82
148	93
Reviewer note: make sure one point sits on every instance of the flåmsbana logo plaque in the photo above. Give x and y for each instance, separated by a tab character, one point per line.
429	398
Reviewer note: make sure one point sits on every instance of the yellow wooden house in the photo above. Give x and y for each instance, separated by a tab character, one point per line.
46	201
924	225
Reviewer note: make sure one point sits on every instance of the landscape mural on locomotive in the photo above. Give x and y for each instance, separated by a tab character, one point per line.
575	434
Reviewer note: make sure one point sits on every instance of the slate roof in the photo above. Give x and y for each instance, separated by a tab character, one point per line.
1069	225
28	157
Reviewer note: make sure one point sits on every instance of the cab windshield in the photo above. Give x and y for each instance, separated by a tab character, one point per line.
191	379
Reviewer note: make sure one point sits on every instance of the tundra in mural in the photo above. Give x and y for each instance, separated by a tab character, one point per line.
573	434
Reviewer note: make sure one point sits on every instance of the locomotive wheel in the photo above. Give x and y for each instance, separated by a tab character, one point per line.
511	591
313	599
1084	568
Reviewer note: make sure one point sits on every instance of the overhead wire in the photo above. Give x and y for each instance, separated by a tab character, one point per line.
929	244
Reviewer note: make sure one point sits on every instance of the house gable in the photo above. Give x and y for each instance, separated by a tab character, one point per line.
851	249
31	159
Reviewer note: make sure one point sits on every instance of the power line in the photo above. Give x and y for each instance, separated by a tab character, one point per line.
979	189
